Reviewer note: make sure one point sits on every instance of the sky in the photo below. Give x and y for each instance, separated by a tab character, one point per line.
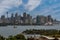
32	7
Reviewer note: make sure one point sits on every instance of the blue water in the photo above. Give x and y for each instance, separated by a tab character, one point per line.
10	30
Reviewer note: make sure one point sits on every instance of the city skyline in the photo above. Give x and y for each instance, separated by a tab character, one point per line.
32	7
27	19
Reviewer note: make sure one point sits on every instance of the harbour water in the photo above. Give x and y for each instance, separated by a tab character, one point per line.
10	30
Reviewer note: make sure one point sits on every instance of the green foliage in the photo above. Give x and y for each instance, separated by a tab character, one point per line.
2	38
17	37
50	32
20	36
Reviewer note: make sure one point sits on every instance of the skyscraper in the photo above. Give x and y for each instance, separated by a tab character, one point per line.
24	15
29	19
3	18
19	19
16	18
49	20
12	18
24	18
40	19
34	21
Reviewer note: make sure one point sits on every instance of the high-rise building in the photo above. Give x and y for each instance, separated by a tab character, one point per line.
19	19
24	15
29	19
24	18
7	15
12	18
34	21
12	15
3	18
16	18
49	20
40	19
16	15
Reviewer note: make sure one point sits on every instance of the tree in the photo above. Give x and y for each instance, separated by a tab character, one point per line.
20	37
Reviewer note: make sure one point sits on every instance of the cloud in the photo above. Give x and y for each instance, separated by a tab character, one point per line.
32	4
53	10
50	9
5	5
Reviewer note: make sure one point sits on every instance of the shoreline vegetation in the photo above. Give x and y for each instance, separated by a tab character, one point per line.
17	37
48	32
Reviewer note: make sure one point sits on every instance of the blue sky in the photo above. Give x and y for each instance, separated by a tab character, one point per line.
32	7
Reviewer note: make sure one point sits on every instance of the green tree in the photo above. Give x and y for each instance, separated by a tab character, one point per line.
17	37
20	37
2	38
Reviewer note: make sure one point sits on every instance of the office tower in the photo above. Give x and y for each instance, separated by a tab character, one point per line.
12	18
3	18
29	19
34	21
40	19
49	20
24	18
19	19
16	18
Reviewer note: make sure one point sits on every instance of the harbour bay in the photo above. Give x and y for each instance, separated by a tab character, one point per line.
10	30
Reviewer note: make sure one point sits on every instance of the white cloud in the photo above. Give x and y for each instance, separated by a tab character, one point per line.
50	9
8	4
32	4
5	5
